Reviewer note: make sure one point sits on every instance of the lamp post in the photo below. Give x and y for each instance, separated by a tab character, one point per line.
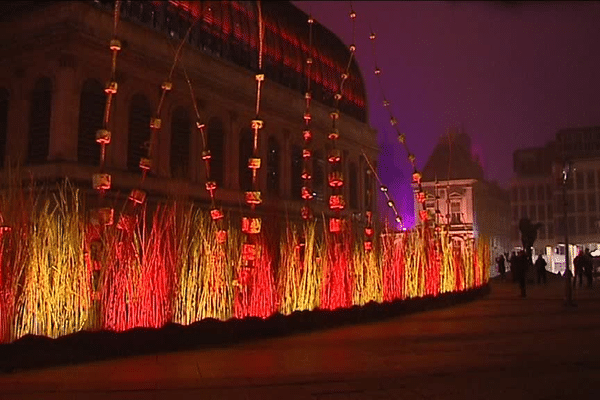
566	173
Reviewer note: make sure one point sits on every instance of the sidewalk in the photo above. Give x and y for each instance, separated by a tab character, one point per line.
499	347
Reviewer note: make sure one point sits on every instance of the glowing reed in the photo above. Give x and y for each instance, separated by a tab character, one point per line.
60	275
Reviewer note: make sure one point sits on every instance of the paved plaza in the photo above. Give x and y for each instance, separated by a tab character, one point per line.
499	347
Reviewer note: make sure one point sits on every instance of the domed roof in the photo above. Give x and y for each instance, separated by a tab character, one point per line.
233	27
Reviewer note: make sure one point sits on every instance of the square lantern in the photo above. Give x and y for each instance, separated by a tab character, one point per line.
251	225
101	181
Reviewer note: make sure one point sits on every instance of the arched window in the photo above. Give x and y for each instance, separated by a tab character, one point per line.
353	185
3	124
296	177
91	114
216	145
246	144
139	131
180	143
39	121
273	166
319	176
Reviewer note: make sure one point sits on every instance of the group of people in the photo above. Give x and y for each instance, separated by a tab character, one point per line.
584	266
521	262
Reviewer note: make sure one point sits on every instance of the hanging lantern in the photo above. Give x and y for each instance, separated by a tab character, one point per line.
127	223
221	236
335	114
336	179
145	164
167	86
306	153
368	245
416	176
253	197
307	134
306	174
251	225
305	212
306	193
307	117
115	45
335	225
103	216
337	202
111	88
248	252
424	215
216	214
103	136
137	196
101	181
421	197
257	124
206	155
254	163
334	134
369	231
155	123
211	186
335	156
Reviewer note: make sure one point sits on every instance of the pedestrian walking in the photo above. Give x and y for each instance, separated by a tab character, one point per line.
588	267
540	269
501	266
579	263
520	265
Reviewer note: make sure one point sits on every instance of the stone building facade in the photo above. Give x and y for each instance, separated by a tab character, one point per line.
56	61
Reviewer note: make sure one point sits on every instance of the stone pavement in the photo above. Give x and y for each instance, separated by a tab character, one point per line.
499	347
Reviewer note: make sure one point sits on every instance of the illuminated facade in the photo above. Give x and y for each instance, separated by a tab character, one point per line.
55	64
458	196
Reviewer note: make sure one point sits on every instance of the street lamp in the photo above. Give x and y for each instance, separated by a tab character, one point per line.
566	173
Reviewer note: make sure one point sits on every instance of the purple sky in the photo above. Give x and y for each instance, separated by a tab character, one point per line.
512	73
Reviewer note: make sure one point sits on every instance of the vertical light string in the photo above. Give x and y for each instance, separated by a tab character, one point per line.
251	224
137	197
102	181
416	176
335	177
307	192
385	192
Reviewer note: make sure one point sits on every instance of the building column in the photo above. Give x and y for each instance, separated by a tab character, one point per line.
65	112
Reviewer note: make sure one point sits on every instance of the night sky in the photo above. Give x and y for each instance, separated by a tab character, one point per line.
511	73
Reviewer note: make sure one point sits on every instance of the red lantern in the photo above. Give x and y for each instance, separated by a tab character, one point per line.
369	231
221	236
424	215
336	179
253	197
335	225
101	181
251	225
254	163
216	214
305	212
145	163
155	123
368	246
103	136
335	156
337	202
211	186
306	193
137	196
248	252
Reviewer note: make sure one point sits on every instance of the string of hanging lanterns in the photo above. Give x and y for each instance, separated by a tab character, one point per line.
102	181
251	224
307	192
416	176
335	177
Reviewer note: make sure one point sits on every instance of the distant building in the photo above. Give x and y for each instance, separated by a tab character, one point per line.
457	194
537	193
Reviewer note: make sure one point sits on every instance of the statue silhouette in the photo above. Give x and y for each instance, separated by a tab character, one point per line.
529	233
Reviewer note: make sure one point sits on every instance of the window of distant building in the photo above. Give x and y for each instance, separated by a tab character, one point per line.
353	183
180	143
273	166
245	152
296	178
592	201
455	212
522	194
139	131
216	144
542	212
582	225
550	209
591	179
581	202
531	192
532	213
579	178
541	193
39	121
91	115
4	98
550	230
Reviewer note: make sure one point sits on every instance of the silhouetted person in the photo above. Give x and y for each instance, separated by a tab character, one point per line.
513	269
520	266
588	267
540	269
579	263
501	266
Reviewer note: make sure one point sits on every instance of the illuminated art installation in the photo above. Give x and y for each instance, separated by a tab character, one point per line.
64	269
